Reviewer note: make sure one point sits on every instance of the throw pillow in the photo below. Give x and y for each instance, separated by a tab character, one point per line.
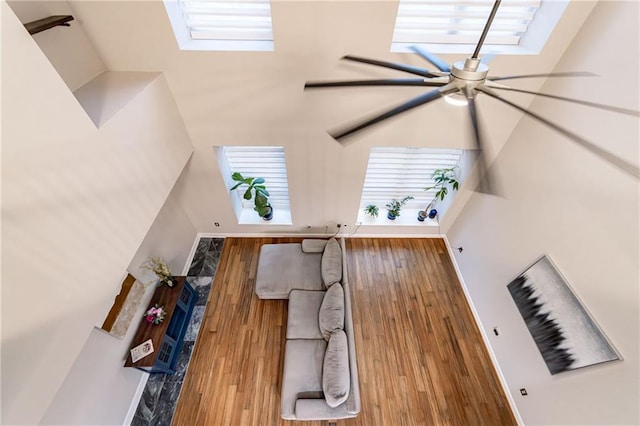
331	263
336	380
331	314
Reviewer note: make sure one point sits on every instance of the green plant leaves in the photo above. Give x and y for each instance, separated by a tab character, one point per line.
255	185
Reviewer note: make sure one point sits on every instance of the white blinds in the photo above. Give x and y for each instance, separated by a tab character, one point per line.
267	162
461	22
238	20
399	172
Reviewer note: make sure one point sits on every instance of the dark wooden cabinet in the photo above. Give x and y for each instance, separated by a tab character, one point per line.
168	336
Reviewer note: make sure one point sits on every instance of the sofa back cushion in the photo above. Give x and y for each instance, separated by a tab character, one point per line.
331	314
331	264
336	380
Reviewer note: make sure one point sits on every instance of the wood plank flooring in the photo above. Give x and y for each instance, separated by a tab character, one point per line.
421	358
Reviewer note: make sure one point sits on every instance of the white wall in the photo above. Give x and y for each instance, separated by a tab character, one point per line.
98	390
563	201
67	48
257	98
76	204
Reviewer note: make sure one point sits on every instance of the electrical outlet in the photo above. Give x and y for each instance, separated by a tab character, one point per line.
496	331
216	224
339	225
523	392
460	249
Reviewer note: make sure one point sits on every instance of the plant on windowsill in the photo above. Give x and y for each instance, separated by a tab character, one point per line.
394	207
442	178
371	210
258	191
159	267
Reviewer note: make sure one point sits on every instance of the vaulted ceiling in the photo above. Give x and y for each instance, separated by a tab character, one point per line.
231	97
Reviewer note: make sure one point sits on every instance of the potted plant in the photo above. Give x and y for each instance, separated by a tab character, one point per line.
258	191
394	207
443	179
159	267
371	210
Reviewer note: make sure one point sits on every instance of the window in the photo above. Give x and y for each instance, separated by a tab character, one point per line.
221	25
267	162
399	172
454	26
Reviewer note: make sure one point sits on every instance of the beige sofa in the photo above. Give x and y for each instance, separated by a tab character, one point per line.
320	373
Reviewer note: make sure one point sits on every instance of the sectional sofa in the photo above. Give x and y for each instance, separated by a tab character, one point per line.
320	373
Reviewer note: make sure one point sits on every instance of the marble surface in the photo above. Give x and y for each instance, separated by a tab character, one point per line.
162	391
128	310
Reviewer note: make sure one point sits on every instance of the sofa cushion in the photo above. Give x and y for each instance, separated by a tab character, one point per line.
313	246
331	264
284	267
336	379
302	320
301	373
331	314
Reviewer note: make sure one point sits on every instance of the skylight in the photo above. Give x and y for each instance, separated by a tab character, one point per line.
454	26
219	25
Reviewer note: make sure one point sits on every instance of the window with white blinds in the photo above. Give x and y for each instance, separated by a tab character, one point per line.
267	162
400	172
222	25
436	24
447	21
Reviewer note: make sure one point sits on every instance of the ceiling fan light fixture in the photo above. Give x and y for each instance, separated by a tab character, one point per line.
456	99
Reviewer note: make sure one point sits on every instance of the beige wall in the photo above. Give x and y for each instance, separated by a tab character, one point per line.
249	98
569	204
67	48
76	204
98	390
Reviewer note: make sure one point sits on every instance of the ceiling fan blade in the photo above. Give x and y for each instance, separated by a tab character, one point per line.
605	155
400	67
553	74
431	58
487	183
383	82
577	101
412	103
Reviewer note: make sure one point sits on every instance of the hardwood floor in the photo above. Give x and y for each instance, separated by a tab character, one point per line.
421	359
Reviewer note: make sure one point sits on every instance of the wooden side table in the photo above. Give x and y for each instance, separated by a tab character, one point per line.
167	337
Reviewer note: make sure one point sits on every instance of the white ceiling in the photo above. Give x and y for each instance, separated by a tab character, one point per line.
240	96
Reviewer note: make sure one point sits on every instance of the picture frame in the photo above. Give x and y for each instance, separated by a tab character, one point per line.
566	335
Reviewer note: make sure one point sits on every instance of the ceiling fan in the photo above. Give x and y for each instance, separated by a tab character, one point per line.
467	79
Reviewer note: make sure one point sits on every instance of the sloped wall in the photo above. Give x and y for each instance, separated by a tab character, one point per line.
98	390
563	201
76	204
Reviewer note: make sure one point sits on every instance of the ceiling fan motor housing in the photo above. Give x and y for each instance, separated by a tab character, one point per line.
471	73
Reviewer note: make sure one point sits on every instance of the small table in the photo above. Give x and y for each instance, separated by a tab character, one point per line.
167	337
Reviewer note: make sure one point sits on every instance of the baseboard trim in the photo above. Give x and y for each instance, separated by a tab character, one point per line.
136	399
285	234
485	337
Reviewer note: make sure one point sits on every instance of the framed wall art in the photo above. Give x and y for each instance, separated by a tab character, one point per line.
566	335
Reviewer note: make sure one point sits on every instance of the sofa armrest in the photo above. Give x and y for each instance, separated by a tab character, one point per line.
313	246
317	409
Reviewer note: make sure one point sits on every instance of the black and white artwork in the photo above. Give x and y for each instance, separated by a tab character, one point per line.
563	330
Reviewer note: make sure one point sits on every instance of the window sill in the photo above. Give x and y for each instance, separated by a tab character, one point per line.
408	217
250	217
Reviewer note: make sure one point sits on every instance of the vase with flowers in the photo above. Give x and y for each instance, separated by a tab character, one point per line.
155	315
159	267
